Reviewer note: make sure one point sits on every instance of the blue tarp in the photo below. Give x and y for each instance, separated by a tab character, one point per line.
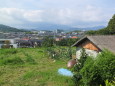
65	72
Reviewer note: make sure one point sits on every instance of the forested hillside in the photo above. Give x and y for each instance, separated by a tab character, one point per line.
4	28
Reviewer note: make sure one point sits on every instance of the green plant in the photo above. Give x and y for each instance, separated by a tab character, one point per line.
107	83
58	52
44	73
8	51
29	75
95	72
11	61
29	59
80	63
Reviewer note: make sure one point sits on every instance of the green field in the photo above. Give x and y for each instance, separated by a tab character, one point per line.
31	67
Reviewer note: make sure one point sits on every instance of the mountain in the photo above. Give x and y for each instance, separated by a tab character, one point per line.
43	26
94	28
50	26
5	28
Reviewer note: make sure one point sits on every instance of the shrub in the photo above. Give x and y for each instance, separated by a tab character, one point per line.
106	65
59	52
90	73
110	83
95	72
77	76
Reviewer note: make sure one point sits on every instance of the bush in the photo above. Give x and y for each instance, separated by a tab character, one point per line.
107	83
59	52
66	42
80	63
106	65
95	72
48	42
90	73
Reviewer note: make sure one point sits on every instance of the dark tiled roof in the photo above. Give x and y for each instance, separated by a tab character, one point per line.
101	41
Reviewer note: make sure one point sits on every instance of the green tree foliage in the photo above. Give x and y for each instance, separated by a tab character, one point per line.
97	71
58	52
109	30
4	28
66	42
62	42
109	83
80	63
111	25
48	42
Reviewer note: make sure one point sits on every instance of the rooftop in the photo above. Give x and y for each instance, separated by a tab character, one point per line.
101	41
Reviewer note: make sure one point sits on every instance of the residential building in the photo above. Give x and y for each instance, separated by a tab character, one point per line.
12	43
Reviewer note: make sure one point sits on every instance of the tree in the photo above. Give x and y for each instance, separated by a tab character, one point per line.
111	25
48	42
66	42
109	30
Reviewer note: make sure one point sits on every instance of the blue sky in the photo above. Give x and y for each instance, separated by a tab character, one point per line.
76	13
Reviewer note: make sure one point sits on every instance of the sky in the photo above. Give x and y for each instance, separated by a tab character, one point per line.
76	13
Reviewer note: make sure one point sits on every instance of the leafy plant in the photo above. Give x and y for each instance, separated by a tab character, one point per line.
95	72
59	52
80	63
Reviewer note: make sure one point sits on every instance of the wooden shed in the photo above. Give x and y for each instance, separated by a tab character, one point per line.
95	44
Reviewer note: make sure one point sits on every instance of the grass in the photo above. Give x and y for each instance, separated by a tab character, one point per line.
31	67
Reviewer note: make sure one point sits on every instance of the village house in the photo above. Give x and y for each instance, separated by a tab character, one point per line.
12	43
95	44
29	43
74	37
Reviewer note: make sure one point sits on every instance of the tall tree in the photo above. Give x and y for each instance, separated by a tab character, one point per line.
111	25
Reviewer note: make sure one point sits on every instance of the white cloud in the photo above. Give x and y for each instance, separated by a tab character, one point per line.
34	16
59	16
15	15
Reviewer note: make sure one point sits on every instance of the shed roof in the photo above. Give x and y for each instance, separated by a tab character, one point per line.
101	41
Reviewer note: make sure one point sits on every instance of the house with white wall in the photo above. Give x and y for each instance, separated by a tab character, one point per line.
93	45
12	42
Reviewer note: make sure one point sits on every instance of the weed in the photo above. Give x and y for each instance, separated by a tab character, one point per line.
29	59
11	61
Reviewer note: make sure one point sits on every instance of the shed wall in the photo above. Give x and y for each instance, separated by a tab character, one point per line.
89	45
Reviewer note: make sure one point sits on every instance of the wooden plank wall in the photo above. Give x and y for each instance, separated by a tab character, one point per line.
88	45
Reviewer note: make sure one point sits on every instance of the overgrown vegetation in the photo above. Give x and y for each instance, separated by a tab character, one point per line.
107	83
95	72
10	57
31	67
66	42
49	42
38	67
58	52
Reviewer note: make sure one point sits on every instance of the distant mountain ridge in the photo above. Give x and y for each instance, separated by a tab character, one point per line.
5	28
50	26
44	26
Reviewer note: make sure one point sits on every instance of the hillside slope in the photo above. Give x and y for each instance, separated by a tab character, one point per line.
4	28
